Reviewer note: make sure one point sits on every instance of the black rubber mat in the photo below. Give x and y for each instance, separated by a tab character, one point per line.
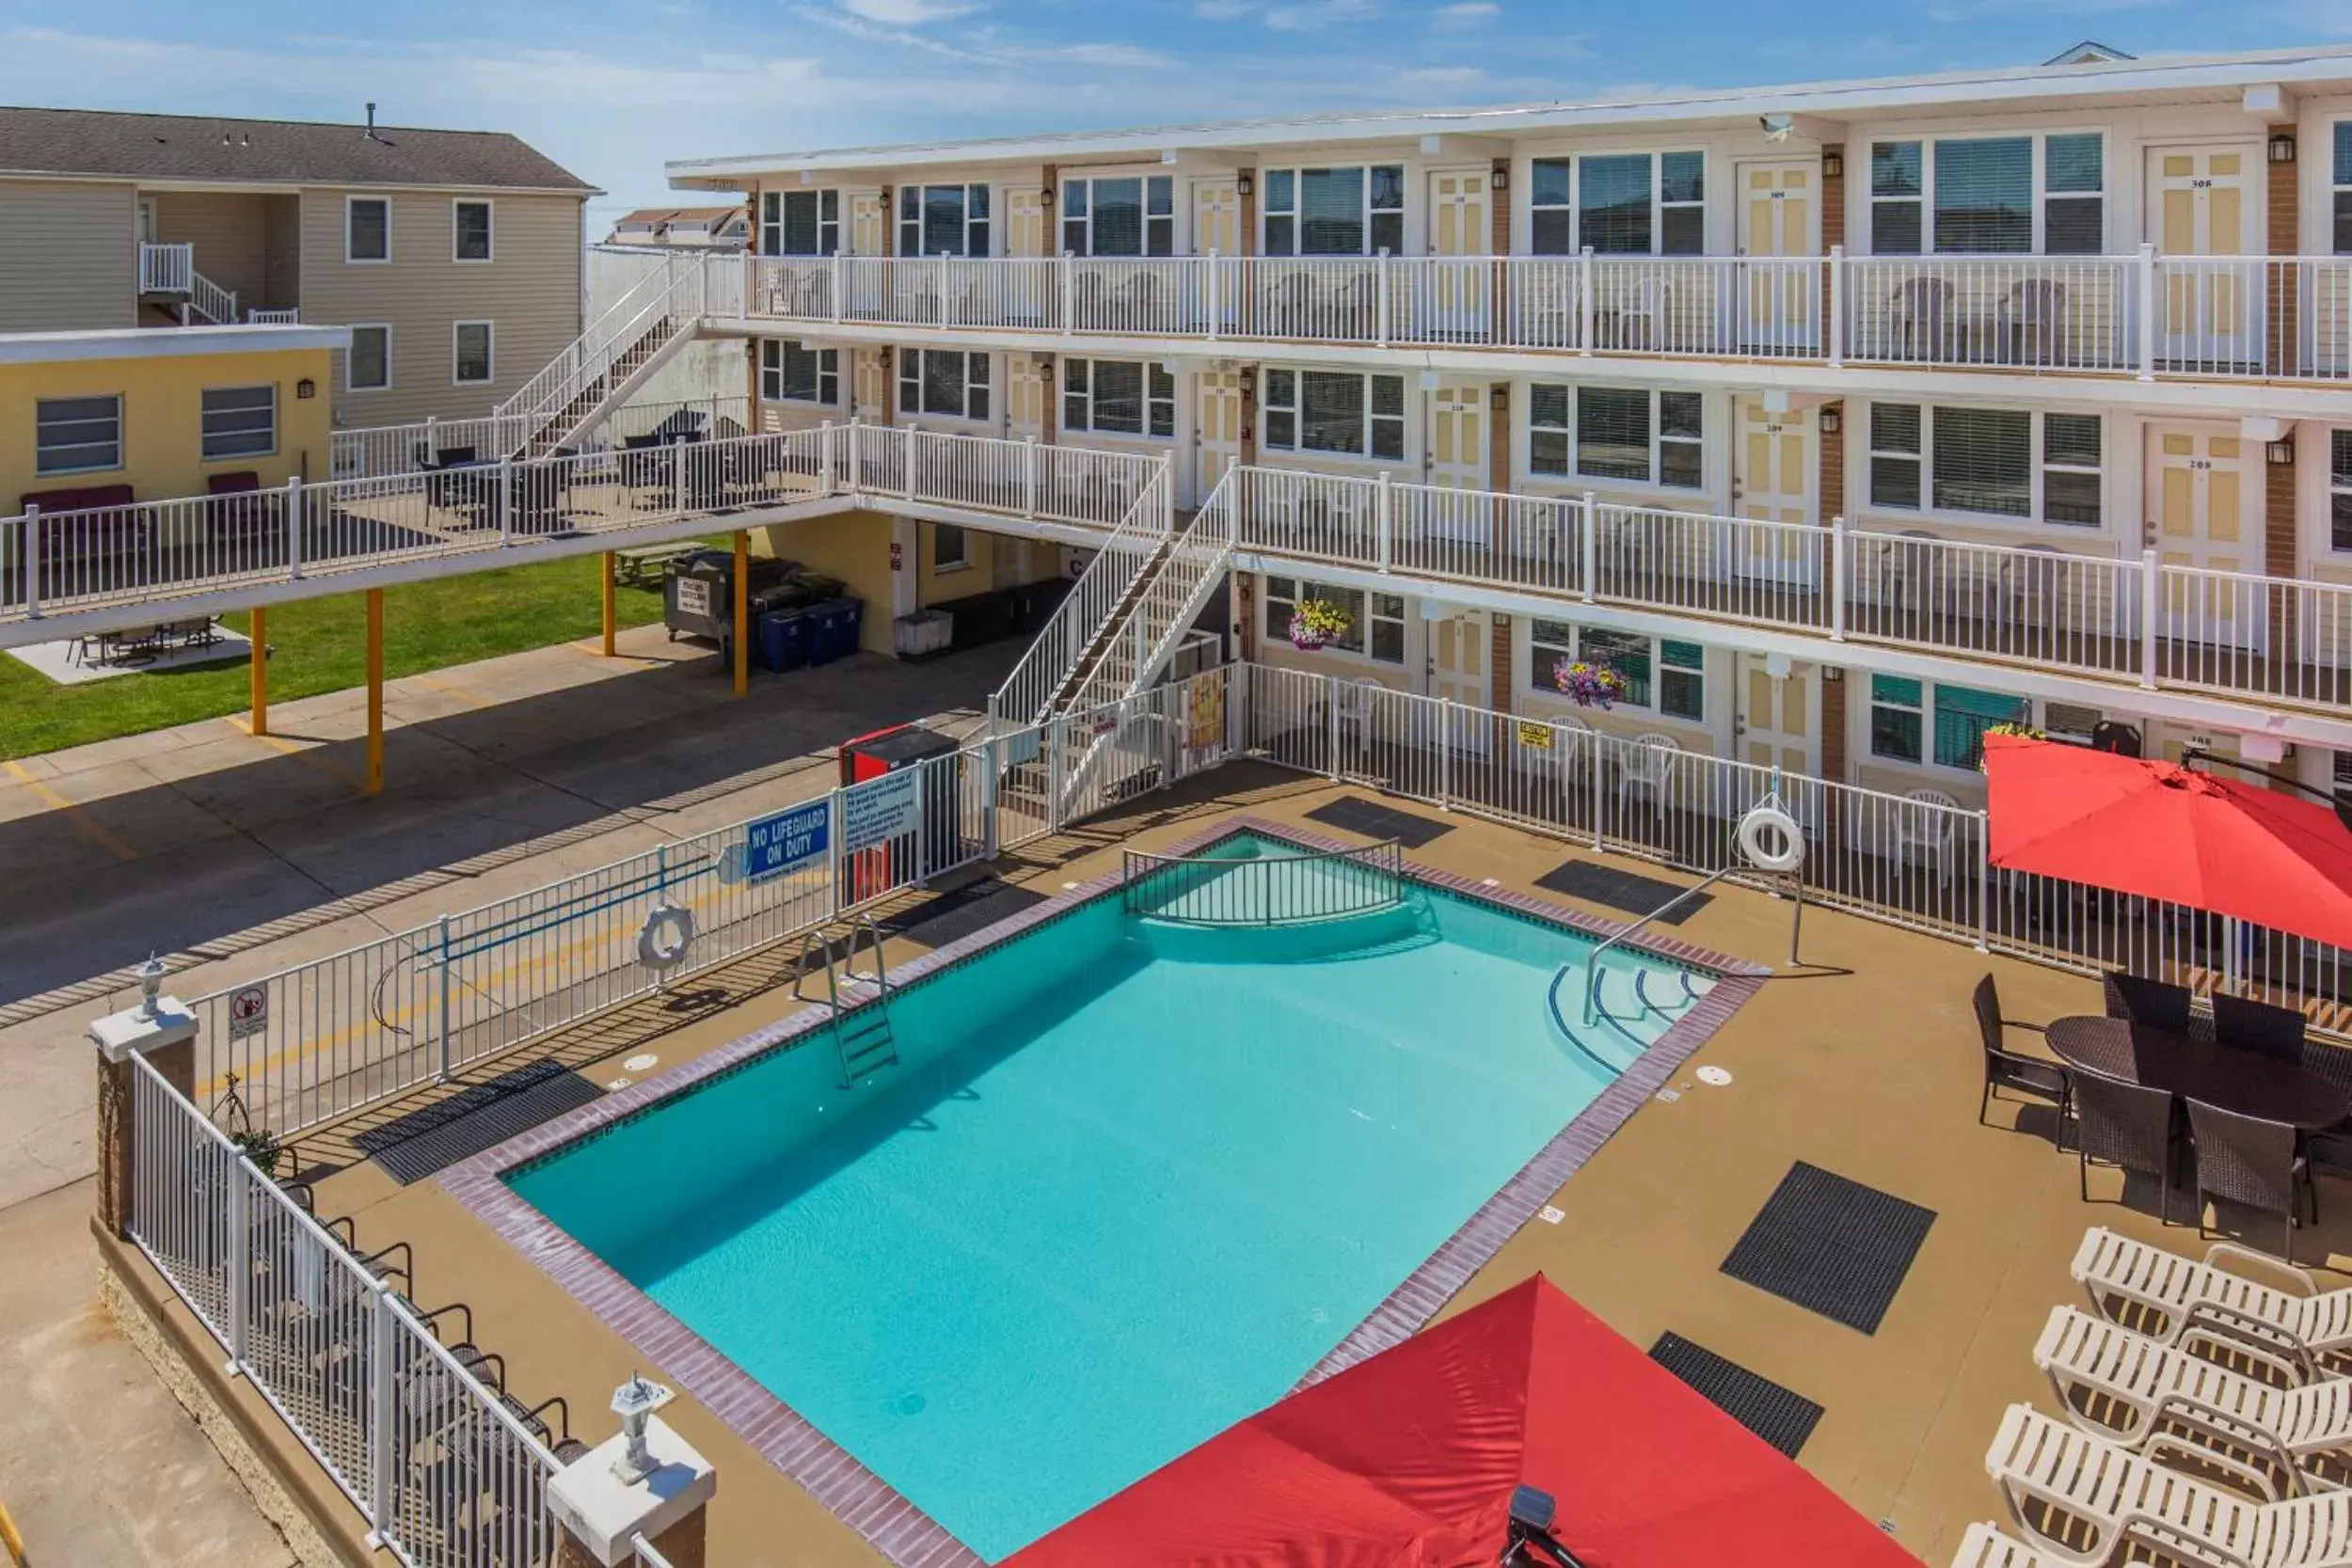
482	1115
1781	1417
1360	816
952	916
1613	889
1831	1245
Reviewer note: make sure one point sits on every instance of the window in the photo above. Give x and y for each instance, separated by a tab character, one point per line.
368	368
1335	211
1120	218
2340	490
470	231
1663	673
1620	204
1901	708
474	366
800	223
367	229
1621	433
942	220
2342	179
1118	397
240	421
1335	411
1375	622
795	372
950	548
74	435
1990	196
1982	460
942	381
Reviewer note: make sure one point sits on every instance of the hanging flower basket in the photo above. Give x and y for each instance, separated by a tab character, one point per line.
2008	726
1590	685
1317	623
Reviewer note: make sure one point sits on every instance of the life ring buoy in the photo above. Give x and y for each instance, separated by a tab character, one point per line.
1771	839
667	933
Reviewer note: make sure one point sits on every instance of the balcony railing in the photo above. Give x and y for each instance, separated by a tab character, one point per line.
2276	318
166	269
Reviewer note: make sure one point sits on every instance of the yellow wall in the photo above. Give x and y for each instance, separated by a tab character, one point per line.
163	420
851	545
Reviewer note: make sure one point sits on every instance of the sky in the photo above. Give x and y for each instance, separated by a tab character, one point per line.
611	89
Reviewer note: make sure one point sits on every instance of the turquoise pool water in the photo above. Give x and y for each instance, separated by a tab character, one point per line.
1127	1184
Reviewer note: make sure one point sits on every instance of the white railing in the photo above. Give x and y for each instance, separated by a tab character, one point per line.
212	302
1156	606
258	317
435	1461
376	452
2286	318
1905	860
165	269
1029	694
675	294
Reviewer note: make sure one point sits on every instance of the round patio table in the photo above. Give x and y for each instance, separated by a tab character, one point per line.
2241	1081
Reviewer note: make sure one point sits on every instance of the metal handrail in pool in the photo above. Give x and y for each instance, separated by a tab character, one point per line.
1243	892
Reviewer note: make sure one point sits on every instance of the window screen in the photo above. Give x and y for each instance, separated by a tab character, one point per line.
1548	430
473	221
1984	196
1331	211
1895	455
2073	210
1983	460
1613	194
1551	206
2340	490
1896	189
1613	432
2069	468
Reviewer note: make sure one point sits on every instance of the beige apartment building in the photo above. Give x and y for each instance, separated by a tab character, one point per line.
455	257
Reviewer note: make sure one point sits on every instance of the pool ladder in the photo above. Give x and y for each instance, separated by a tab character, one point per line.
862	1034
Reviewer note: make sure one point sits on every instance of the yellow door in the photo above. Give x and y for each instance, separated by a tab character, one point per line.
1025	222
1776	208
1218	431
1778	727
1215	217
1025	398
1458	645
2203	202
1772	481
1455	460
868	221
872	384
2204	495
1455	300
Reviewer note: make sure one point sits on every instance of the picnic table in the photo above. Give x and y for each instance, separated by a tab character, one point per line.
646	562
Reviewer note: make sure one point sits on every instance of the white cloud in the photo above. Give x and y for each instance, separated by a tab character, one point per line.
1116	56
1319	14
908	13
1442	77
1221	10
1462	17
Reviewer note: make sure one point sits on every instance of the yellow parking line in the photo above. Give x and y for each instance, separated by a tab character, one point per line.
88	826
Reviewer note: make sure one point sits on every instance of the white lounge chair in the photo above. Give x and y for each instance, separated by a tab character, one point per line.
1987	1545
2125	1388
2078	1496
2165	1296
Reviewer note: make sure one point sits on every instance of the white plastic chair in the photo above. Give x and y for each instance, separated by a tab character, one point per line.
1929	826
1648	768
2170	1297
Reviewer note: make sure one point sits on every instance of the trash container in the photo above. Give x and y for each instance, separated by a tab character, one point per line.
878	869
782	639
924	634
834	629
698	592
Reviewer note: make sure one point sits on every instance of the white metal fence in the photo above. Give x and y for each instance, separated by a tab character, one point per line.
1912	861
379	451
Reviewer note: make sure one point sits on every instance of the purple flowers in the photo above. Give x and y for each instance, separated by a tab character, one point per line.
1590	685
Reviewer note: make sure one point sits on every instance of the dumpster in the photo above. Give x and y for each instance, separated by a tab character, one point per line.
698	592
834	629
782	639
938	841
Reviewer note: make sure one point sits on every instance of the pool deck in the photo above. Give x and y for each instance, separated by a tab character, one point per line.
1864	1061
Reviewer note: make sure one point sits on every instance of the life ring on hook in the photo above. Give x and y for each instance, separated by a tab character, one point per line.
1771	839
667	933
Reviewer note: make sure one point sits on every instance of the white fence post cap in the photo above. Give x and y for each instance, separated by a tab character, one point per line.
135	1031
606	1516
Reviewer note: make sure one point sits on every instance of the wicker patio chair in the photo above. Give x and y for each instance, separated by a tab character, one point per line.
2005	1069
2144	1001
2252	1162
2126	1126
2257	1026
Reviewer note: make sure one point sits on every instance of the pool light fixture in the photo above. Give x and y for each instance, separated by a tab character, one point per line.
634	1402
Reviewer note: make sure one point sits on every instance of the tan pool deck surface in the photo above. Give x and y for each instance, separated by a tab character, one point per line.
1863	1060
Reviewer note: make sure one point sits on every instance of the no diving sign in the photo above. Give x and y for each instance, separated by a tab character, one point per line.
249	1012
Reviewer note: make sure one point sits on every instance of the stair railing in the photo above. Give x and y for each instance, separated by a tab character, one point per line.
1592	974
622	325
211	301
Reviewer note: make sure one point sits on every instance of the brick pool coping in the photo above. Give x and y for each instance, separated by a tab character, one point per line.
894	1527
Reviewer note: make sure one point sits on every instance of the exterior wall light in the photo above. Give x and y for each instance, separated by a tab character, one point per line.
306	388
1831	421
2281	451
1245	182
1832	162
1503	177
2282	148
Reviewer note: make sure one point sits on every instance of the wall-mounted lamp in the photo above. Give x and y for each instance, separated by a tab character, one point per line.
2280	452
1499	396
1247	183
1047	194
1831	421
1503	177
1044	361
1832	162
2282	148
306	387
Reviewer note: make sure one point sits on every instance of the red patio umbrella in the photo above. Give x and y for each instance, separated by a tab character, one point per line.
2162	831
1408	1460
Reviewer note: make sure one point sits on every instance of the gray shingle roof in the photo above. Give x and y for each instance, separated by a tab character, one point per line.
267	151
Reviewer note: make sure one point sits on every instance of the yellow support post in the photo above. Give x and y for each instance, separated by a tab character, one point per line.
376	691
260	671
608	604
742	610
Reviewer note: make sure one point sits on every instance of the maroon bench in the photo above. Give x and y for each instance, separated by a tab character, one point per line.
105	526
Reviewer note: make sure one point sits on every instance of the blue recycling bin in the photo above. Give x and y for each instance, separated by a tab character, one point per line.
783	640
834	629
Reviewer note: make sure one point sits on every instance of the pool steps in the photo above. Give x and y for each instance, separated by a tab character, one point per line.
1616	1010
865	1042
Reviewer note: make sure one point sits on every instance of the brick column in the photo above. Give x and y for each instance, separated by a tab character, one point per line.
1245	615
163	1030
1498	663
1830	481
1498	244
1834	761
1833	225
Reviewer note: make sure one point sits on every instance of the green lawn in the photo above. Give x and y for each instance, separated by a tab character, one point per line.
321	646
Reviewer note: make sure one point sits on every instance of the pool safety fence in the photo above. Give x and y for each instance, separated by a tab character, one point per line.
1265	890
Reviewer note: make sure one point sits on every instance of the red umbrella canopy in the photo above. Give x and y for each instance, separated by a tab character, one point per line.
2167	831
1408	1460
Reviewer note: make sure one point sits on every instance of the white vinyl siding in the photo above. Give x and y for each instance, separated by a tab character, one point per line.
68	253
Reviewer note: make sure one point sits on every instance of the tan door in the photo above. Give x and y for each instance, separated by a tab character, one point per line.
2204	498
1772	481
2203	202
1454	299
1218	431
868	223
1455	460
1779	726
1025	398
1776	213
1025	222
872	384
1458	646
1215	217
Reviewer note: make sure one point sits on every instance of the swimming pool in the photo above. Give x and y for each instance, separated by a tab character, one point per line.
1128	1182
